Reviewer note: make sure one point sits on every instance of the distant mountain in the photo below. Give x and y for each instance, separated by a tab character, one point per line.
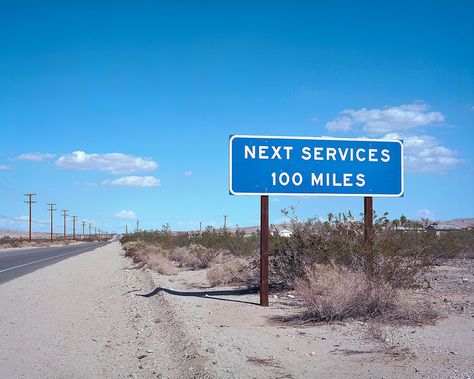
463	223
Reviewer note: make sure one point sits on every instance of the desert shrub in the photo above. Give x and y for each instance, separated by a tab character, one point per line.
396	257
400	258
313	242
333	292
233	271
132	249
159	263
179	256
9	242
194	257
205	256
237	242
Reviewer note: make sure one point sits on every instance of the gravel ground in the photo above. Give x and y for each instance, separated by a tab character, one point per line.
81	318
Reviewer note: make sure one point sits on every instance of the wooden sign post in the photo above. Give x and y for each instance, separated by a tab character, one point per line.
264	237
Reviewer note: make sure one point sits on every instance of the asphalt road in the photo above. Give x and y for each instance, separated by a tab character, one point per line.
18	262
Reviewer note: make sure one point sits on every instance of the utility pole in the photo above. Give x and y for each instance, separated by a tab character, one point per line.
126	229
90	228
83	226
225	221
65	215
95	231
138	226
200	226
30	201
74	220
51	210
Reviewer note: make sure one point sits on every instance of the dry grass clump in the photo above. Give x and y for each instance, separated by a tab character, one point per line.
233	271
334	293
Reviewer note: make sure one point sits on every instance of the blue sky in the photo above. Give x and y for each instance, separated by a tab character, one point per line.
123	110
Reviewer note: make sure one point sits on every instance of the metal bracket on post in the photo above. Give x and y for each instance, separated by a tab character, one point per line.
264	237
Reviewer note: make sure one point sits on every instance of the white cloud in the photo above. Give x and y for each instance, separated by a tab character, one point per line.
34	156
4	167
188	173
386	120
116	163
125	215
425	213
133	181
424	153
340	124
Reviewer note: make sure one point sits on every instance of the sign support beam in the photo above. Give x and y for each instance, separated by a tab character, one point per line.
264	238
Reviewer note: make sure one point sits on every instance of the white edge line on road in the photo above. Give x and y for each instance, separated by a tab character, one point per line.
44	259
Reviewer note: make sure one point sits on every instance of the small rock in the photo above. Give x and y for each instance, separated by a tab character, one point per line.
140	367
142	356
453	353
211	350
275	296
138	315
291	296
149	351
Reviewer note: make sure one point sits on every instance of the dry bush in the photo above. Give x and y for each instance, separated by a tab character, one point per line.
195	257
132	249
179	256
233	271
205	255
334	293
160	264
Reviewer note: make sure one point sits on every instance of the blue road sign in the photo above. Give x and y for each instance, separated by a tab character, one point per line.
275	165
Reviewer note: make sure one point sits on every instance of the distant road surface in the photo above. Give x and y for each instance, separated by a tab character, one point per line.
18	262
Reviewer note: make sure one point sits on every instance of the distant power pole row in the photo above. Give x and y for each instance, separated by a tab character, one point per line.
65	214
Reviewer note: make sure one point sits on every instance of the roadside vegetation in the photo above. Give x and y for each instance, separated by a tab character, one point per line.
334	272
9	242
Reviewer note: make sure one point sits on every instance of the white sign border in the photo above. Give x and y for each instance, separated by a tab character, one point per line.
232	192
